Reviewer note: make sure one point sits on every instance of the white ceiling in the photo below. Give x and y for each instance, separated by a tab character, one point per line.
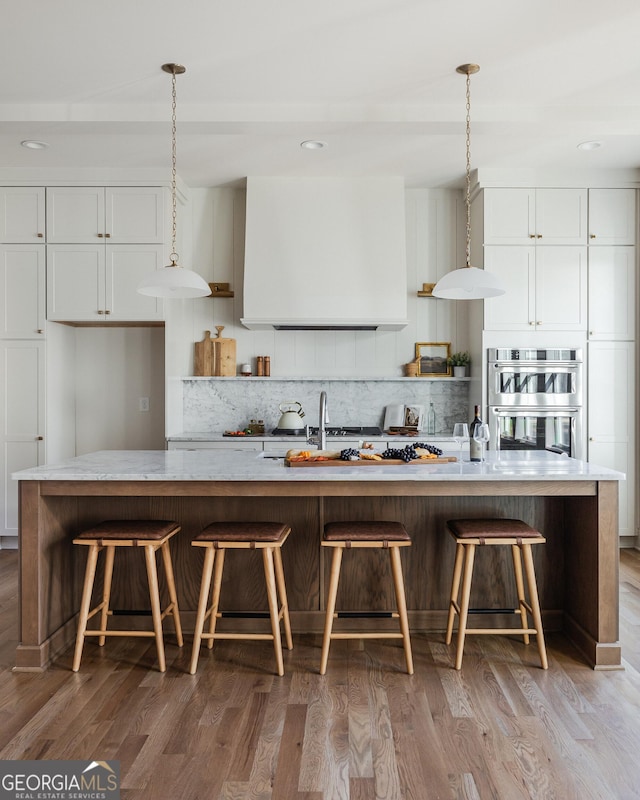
374	79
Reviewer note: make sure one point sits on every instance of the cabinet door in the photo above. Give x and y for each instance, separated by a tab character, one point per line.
611	419
612	293
561	289
75	214
76	283
509	216
561	216
22	291
514	310
22	366
22	219
126	265
612	216
135	215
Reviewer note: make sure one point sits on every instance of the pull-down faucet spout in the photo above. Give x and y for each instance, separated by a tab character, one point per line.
320	440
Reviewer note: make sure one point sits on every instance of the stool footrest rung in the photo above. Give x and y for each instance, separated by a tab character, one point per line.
496	610
130	612
500	630
244	614
365	614
366	635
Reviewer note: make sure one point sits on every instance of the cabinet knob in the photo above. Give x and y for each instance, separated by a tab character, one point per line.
107	311
592	236
100	311
39	438
100	235
591	439
107	236
531	322
40	235
539	322
532	236
539	236
39	330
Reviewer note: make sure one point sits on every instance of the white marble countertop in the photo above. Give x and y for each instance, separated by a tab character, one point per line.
223	465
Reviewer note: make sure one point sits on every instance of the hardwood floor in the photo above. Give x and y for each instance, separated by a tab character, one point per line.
501	728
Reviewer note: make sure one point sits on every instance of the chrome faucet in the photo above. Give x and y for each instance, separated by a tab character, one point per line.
320	439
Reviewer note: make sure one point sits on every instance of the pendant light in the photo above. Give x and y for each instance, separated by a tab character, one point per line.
468	283
174	281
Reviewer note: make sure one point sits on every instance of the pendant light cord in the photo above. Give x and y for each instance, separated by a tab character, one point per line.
468	196
174	215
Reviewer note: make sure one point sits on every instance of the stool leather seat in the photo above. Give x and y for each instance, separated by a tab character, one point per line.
217	538
152	535
472	533
371	534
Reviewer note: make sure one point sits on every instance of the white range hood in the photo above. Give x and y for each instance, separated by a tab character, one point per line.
325	253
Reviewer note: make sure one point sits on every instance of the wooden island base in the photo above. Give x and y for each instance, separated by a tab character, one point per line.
577	569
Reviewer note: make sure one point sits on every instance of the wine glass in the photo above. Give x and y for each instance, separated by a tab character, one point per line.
461	434
481	435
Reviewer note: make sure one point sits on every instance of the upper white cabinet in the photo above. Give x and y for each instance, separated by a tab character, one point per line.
22	216
612	216
546	289
535	216
22	291
612	293
93	283
117	215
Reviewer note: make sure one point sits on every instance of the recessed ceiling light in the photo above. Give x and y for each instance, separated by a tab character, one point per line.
313	144
32	144
589	145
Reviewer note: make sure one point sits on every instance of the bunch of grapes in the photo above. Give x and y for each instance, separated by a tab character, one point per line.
435	450
349	454
405	454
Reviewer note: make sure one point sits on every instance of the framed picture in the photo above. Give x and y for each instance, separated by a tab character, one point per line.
433	359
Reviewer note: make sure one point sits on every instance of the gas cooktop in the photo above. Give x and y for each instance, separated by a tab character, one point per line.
347	430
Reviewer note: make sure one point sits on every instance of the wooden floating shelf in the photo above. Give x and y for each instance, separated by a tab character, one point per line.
220	290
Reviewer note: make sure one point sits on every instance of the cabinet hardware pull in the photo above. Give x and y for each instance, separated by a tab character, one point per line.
39	438
107	312
100	311
531	322
539	236
532	236
39	330
100	235
40	235
107	236
592	236
539	322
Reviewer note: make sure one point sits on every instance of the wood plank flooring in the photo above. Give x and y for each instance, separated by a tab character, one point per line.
501	728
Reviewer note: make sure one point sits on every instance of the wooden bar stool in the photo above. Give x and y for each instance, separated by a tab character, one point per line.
376	534
221	536
152	535
472	533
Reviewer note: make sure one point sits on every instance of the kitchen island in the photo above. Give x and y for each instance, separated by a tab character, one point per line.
572	502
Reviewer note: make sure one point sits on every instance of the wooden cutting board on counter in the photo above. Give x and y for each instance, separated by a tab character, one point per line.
385	462
215	357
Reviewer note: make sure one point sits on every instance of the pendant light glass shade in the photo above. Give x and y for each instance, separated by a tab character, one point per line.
174	281
468	283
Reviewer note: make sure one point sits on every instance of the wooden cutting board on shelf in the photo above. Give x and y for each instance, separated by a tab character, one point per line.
215	357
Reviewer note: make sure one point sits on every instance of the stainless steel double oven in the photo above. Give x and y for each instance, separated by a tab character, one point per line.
535	399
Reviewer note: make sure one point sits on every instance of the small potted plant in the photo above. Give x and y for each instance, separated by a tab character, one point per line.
459	362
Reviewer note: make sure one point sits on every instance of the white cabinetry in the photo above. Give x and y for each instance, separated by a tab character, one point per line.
22	291
22	415
612	216
121	215
611	418
612	293
538	216
22	216
546	288
94	283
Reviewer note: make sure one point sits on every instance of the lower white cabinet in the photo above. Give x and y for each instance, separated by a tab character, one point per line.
611	419
22	412
98	283
232	444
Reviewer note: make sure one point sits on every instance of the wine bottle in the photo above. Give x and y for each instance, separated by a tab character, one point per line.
431	420
475	447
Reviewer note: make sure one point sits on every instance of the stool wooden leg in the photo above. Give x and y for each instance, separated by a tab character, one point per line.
272	597
517	569
464	601
282	591
89	575
398	582
154	594
215	600
535	603
205	584
455	588
173	596
106	591
331	607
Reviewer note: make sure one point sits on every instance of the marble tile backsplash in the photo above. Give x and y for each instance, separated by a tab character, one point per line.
217	405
